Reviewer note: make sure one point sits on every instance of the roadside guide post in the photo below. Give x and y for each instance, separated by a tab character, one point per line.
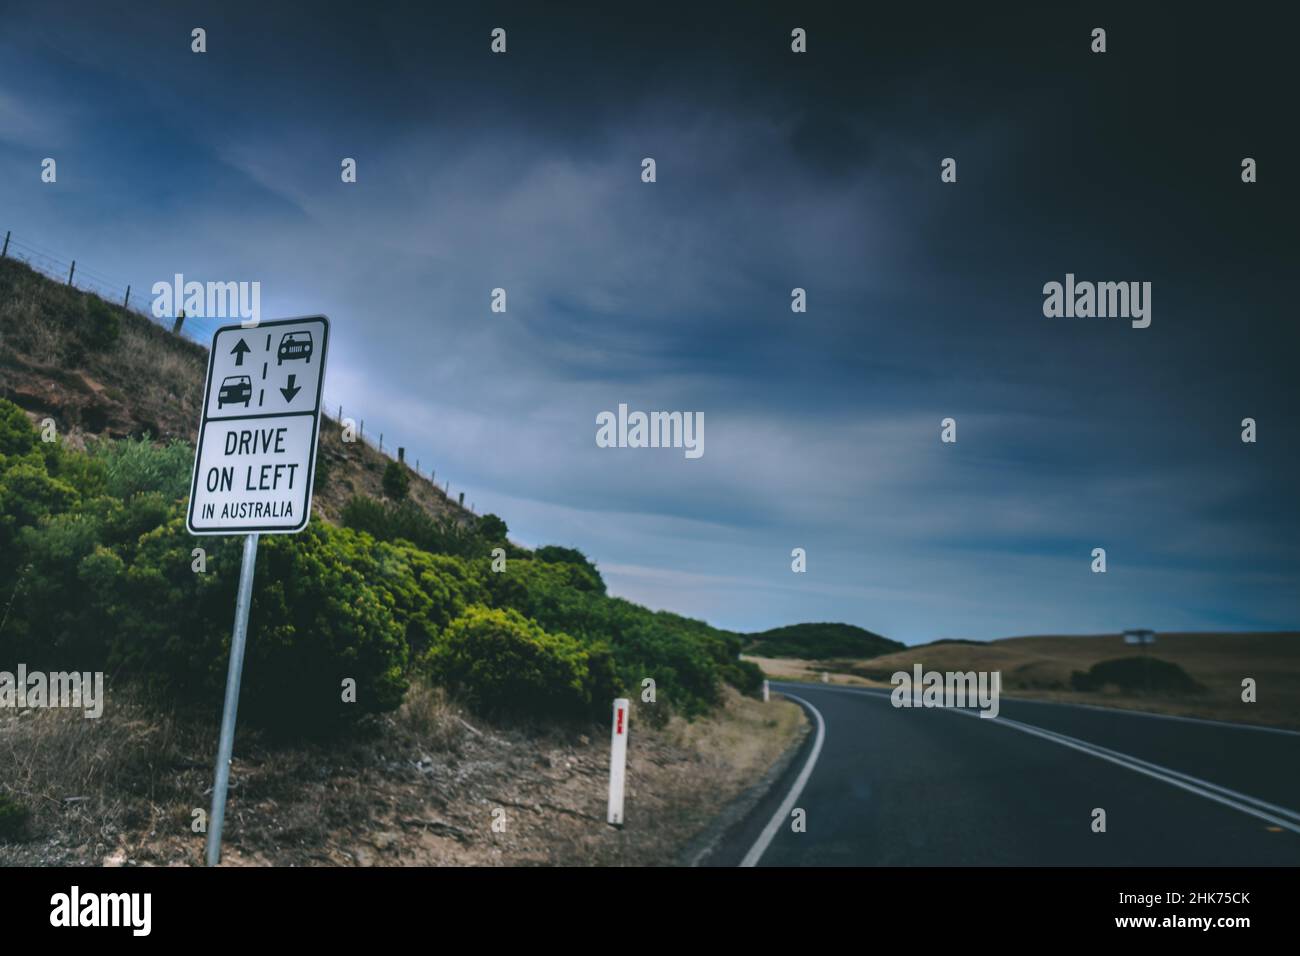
254	465
617	761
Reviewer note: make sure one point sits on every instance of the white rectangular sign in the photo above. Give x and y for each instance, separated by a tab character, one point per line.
256	455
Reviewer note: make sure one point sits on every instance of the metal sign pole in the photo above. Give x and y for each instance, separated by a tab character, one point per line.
227	740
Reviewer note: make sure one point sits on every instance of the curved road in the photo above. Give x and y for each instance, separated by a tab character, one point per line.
890	786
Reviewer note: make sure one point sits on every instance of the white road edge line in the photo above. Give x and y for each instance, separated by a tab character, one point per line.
1202	788
783	811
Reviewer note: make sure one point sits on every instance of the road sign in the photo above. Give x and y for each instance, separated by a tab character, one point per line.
256	455
253	472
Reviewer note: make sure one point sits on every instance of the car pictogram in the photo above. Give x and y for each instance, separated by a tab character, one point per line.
294	345
235	390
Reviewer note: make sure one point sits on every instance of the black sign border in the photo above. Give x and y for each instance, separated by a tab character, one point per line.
315	430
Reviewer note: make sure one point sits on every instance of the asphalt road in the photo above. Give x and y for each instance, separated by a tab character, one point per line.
886	786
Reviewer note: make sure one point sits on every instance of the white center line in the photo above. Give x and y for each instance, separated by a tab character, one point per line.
1262	809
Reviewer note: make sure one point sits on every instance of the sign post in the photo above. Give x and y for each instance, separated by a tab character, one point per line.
253	471
617	762
226	742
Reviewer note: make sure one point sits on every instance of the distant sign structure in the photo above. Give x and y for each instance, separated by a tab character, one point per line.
1139	637
256	456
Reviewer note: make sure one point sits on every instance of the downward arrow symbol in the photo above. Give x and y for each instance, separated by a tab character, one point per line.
291	390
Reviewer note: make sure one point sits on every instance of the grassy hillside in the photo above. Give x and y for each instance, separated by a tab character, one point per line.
100	370
94	368
819	642
385	592
473	684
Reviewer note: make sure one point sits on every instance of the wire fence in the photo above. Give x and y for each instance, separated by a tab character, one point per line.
198	329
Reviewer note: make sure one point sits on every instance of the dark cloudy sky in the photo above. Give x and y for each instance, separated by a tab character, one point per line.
774	171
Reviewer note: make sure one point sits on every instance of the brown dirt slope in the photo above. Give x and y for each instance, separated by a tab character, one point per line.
148	381
422	786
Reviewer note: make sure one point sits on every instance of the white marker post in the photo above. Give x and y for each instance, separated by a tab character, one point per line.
765	692
254	466
617	762
826	677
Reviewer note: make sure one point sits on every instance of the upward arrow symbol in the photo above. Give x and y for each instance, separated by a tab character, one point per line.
291	390
239	351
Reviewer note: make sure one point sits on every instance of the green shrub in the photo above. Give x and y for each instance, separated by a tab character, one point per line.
687	659
589	580
315	621
18	436
102	324
602	675
492	529
13	819
543	592
407	521
501	663
97	572
323	468
132	466
1135	674
27	495
58	615
80	471
745	676
449	583
424	591
687	678
397	483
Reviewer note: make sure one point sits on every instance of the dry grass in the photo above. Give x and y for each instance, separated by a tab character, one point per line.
415	787
744	740
159	377
94	780
147	380
793	668
428	716
22	330
1040	667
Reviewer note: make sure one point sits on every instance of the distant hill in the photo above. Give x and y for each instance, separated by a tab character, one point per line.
1045	666
819	642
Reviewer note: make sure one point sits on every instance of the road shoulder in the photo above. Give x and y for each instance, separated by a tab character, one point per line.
729	836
